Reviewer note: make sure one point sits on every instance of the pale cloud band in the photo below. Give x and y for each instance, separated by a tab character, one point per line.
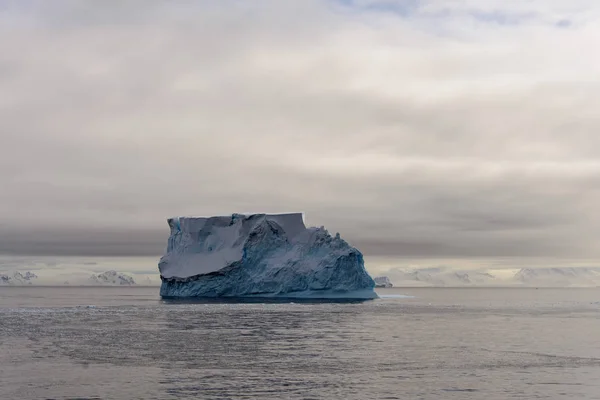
419	129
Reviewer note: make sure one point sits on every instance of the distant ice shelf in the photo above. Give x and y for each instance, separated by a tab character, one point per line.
260	255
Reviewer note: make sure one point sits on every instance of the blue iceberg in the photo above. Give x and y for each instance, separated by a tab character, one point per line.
260	255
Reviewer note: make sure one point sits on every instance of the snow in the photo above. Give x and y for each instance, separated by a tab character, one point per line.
202	245
266	255
18	278
558	277
523	277
112	278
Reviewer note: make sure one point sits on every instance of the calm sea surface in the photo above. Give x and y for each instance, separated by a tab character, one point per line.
125	343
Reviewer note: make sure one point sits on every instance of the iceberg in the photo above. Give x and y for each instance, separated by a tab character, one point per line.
382	282
260	255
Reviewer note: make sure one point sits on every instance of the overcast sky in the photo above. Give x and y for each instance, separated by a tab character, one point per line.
422	129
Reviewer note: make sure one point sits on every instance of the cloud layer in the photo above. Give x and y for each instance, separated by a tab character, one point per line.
414	129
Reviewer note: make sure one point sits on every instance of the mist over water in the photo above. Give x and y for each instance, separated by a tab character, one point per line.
116	343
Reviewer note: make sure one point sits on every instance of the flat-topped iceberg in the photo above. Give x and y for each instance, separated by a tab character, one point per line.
260	255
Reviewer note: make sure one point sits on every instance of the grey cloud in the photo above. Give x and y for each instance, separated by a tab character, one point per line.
115	116
83	242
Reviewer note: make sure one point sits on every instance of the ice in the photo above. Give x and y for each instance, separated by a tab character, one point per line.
558	277
18	278
383	281
395	296
111	278
498	277
261	255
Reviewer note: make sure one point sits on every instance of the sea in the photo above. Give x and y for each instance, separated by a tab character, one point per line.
412	343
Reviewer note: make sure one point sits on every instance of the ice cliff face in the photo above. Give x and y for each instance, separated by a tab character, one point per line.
112	278
260	255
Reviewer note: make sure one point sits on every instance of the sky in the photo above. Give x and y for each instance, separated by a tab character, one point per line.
419	129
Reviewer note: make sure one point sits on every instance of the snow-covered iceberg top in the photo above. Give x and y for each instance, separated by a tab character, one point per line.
266	255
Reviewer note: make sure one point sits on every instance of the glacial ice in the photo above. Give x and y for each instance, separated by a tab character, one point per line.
260	255
382	282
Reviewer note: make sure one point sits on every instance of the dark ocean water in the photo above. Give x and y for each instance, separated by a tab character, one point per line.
125	343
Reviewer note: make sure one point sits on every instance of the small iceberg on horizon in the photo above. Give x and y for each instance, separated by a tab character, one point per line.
383	282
